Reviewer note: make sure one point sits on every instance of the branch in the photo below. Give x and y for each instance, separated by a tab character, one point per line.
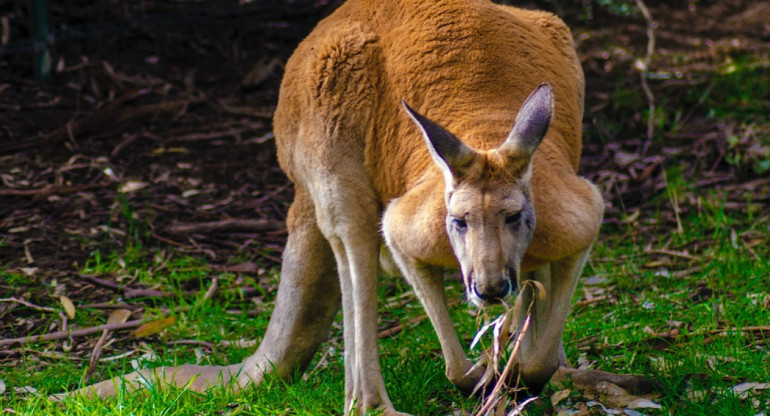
644	68
52	190
29	305
224	226
55	336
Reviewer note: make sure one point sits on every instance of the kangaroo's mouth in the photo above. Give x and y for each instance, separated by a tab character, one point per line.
498	294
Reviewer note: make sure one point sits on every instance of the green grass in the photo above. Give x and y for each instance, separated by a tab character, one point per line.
715	286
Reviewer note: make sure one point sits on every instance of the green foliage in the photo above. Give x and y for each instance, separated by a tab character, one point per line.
712	287
612	7
739	88
14	279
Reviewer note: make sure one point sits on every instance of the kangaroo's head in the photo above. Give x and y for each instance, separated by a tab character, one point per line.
490	214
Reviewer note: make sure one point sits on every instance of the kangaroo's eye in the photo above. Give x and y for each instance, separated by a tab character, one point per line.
460	224
512	218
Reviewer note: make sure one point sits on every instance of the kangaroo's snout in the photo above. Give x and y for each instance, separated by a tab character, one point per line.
494	290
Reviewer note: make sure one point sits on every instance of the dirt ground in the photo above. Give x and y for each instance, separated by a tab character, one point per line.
164	137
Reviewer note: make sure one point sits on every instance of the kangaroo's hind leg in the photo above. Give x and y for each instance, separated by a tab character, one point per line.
308	299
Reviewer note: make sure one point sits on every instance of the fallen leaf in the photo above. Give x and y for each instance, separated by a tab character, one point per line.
624	159
154	327
69	307
594	280
519	408
131	186
644	404
610	389
261	71
742	390
25	390
559	396
29	271
118	316
148	357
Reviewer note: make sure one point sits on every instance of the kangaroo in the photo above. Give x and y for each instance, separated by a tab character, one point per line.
450	130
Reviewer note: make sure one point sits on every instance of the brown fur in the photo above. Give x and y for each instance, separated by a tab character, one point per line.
361	167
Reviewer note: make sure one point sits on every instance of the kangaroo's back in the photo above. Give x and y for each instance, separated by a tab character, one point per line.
467	64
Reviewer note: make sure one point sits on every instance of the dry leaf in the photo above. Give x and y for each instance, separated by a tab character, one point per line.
69	307
610	389
261	71
644	404
519	408
25	390
29	271
559	396
154	327
541	292
742	390
131	186
118	316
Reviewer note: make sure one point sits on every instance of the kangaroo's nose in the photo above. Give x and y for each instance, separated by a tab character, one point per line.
492	291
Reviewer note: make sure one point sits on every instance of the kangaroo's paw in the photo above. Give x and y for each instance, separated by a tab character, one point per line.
381	410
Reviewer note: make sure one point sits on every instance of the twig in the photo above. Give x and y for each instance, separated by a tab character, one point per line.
194	137
753	329
95	354
224	226
212	289
104	305
645	66
107	114
52	190
156	108
123	144
29	305
128	291
585	302
389	332
55	336
508	367
204	344
166	240
151	293
672	253
385	333
102	282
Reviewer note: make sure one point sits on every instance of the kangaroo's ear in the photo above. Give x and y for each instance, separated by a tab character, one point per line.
449	153
531	124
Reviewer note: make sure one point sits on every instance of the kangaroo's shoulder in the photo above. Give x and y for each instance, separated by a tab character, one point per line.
336	62
337	56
